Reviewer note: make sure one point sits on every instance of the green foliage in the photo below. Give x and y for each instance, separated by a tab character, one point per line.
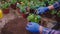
34	18
31	3
36	3
37	18
18	0
22	8
13	1
0	5
58	14
5	5
53	12
31	17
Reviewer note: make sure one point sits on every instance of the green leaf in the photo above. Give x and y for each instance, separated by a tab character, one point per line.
37	18
58	14
13	1
5	5
53	12
31	17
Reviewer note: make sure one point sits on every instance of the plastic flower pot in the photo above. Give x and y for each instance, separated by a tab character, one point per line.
13	6
24	15
6	11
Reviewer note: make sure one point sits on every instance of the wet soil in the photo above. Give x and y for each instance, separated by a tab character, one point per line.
16	26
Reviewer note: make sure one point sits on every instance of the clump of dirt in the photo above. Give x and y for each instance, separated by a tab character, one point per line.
16	26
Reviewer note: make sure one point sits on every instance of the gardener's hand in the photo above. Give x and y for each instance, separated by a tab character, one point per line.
42	10
56	5
33	27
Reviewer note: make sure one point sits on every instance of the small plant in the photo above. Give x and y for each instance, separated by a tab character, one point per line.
5	7
34	18
18	1
13	4
13	1
58	14
53	12
31	17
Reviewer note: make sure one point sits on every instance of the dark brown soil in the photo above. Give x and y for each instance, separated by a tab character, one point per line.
16	26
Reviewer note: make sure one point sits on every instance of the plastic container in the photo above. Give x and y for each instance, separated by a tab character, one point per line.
6	11
1	14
